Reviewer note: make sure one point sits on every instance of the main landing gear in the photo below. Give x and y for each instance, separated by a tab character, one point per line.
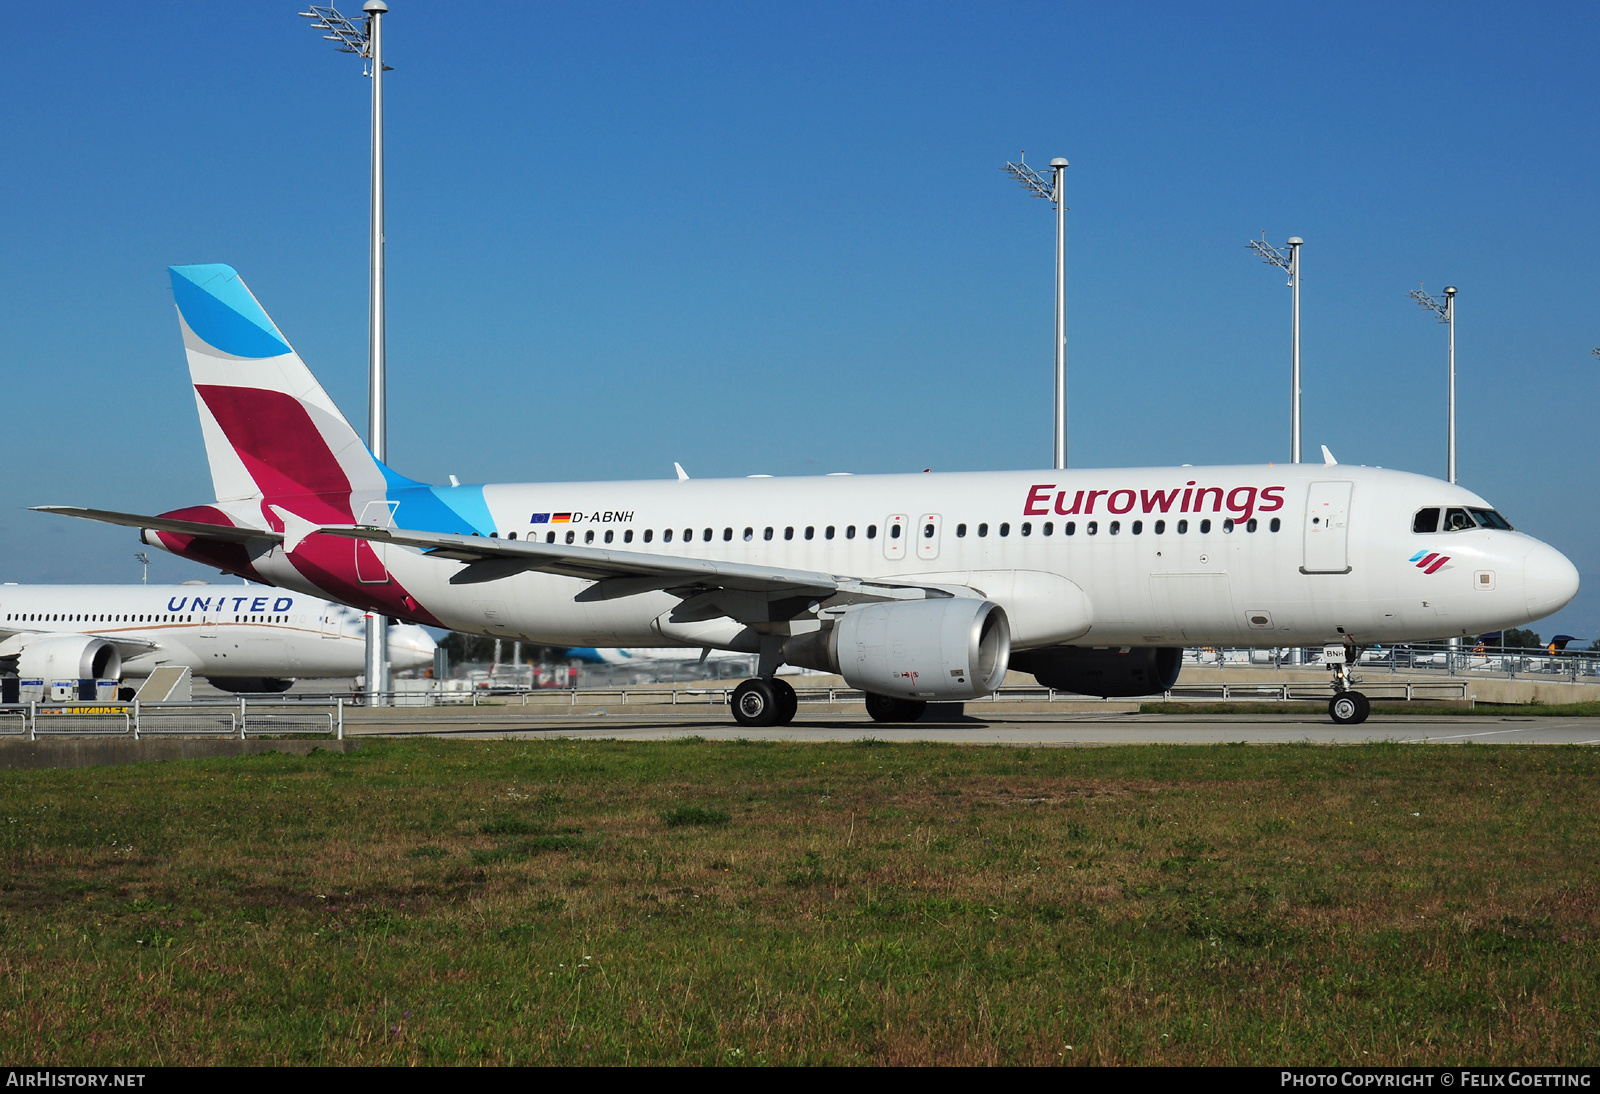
759	703
1347	708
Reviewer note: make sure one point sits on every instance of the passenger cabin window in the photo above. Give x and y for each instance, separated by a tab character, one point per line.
850	531
961	531
1049	528
1070	528
1160	528
749	534
1026	529
1251	525
811	531
511	535
627	537
1116	527
708	535
1005	529
571	536
1426	520
983	530
549	537
1138	527
727	535
1276	524
588	537
1205	526
1227	524
609	535
1092	528
1183	527
927	531
666	535
767	533
828	534
872	531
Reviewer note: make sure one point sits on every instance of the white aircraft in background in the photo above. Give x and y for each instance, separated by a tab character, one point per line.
80	641
912	587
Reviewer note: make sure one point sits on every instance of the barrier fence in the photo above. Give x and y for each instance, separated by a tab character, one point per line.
241	718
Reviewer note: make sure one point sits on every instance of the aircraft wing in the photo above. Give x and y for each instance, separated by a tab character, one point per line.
12	639
166	524
626	573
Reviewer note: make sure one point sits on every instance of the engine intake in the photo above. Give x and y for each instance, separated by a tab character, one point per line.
1108	673
946	649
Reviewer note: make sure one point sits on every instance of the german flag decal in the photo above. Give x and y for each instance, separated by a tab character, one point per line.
560	518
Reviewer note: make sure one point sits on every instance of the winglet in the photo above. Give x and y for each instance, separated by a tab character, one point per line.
683	476
1327	457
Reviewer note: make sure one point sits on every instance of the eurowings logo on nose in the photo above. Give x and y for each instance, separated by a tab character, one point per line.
1429	561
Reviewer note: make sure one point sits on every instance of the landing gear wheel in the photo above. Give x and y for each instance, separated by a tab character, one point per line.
886	708
1349	708
788	701
755	704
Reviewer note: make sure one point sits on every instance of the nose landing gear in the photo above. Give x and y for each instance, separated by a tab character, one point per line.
1347	707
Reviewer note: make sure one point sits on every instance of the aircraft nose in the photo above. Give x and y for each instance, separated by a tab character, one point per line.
1550	580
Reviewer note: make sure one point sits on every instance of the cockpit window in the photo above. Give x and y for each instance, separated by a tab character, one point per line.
1458	520
1426	520
1488	518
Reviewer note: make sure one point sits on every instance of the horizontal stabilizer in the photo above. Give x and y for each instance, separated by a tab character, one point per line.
166	524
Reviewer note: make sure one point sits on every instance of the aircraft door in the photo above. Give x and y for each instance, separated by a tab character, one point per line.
372	558
1327	532
895	531
929	526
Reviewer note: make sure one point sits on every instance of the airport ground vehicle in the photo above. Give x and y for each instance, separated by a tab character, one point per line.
913	587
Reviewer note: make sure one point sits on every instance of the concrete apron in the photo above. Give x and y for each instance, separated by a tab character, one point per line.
22	755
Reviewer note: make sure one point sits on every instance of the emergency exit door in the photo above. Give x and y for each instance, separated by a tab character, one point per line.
1327	528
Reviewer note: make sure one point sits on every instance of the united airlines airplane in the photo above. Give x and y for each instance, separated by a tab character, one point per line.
80	641
913	587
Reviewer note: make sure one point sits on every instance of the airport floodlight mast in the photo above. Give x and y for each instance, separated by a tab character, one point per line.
367	43
143	560
1053	190
1446	311
1290	264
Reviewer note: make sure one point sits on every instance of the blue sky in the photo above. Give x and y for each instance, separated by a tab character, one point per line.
776	239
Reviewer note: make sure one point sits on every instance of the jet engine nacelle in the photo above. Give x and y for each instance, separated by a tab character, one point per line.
1108	673
68	668
951	648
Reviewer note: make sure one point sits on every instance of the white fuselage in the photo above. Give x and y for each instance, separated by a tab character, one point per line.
214	630
1245	555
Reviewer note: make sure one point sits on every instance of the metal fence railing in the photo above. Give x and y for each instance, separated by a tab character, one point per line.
1468	658
241	718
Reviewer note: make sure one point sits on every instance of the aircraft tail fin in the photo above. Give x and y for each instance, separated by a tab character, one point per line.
272	434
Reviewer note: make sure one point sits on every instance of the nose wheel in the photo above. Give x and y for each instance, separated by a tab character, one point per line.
1349	708
761	703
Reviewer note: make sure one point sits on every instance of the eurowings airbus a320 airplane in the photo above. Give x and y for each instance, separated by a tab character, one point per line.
912	587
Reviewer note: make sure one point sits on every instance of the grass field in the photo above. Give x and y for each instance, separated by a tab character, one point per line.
562	902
